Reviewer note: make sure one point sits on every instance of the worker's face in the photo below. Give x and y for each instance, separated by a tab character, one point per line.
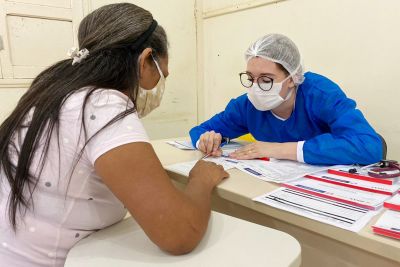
258	66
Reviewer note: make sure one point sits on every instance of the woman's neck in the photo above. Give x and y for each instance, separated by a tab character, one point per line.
286	108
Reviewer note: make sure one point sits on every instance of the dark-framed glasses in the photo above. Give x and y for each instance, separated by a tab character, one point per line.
264	82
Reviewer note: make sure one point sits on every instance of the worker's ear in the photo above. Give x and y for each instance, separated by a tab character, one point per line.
292	84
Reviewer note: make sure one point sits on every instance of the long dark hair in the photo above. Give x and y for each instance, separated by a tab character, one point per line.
110	33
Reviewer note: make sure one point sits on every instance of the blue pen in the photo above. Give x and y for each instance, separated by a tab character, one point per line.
225	141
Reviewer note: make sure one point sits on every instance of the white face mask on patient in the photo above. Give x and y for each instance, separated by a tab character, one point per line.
267	100
148	100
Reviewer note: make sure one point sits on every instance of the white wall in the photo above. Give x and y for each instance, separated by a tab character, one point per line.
353	42
34	34
178	110
8	99
26	54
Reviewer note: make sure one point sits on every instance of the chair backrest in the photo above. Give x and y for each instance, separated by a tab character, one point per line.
384	146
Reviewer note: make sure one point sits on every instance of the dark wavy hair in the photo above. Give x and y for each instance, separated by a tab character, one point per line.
110	33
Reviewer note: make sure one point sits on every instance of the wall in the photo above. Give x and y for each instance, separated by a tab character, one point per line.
353	42
178	110
34	34
27	55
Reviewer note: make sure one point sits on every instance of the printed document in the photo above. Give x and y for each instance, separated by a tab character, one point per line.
390	220
327	211
355	183
182	144
185	167
394	200
352	196
278	171
187	145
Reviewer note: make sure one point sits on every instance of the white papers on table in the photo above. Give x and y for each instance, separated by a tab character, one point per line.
185	167
230	148
328	211
388	224
389	220
361	173
355	183
393	203
182	167
278	171
359	198
185	145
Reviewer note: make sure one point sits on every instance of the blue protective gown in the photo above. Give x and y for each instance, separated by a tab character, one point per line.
334	130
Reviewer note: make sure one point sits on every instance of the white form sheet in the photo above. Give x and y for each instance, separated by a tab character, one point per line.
352	196
355	183
278	171
185	167
327	211
394	200
390	220
182	144
187	145
230	148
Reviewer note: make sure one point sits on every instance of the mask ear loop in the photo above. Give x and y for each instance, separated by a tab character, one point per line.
291	89
158	67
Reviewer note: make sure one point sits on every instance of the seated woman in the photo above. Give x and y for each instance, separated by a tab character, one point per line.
292	115
74	153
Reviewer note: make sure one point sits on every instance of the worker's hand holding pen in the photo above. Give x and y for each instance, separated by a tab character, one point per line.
211	142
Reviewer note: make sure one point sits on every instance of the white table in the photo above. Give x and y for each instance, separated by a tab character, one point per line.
322	244
228	242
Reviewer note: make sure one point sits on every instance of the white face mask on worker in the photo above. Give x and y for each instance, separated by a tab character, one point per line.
267	100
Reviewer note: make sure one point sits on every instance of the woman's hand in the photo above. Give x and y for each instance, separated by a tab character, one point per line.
209	143
260	149
208	172
136	177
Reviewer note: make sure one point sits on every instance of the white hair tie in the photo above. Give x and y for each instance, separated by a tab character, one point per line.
77	55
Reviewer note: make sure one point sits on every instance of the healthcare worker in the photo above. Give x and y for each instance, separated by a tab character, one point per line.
292	115
74	153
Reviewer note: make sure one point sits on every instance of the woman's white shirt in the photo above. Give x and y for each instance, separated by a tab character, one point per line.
68	206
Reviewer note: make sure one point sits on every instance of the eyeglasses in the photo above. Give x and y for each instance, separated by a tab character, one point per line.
264	82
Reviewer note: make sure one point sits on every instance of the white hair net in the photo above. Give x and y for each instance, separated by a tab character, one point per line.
279	49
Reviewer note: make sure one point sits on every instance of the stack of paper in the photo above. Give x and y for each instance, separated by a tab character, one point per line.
393	203
185	167
355	183
328	211
360	173
187	145
278	171
182	144
339	193
388	224
331	195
